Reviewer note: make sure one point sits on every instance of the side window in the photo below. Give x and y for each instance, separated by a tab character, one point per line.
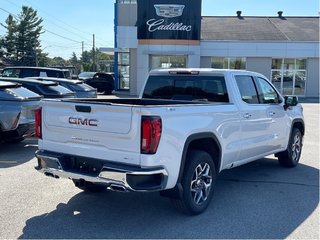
29	72
247	89
13	72
266	92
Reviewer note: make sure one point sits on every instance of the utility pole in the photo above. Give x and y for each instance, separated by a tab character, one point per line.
94	54
82	48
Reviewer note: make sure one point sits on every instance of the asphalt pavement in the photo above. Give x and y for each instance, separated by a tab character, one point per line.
259	200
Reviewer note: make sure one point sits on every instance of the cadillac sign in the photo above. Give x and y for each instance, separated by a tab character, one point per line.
169	19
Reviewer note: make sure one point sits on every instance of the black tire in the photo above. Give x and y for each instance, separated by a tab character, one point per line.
88	186
198	182
290	157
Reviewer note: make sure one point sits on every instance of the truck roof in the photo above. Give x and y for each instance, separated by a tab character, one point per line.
196	71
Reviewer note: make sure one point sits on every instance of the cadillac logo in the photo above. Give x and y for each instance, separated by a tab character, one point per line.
169	10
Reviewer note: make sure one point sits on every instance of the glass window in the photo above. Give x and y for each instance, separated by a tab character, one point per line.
29	72
124	69
11	72
199	88
19	92
266	92
218	63
237	63
276	63
168	61
247	89
301	64
289	76
228	63
300	82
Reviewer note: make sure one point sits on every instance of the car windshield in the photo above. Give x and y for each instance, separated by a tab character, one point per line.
19	92
86	74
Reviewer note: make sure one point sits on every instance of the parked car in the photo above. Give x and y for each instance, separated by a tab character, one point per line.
103	82
23	71
47	89
17	105
81	89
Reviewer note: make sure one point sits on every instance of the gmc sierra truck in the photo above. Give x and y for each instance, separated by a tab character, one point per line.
186	127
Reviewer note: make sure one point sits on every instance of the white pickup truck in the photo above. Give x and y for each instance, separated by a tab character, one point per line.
186	127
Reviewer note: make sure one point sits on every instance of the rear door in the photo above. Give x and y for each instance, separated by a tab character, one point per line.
256	124
274	109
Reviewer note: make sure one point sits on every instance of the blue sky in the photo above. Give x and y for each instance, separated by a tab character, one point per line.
69	22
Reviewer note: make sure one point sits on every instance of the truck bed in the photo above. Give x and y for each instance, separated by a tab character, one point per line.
138	101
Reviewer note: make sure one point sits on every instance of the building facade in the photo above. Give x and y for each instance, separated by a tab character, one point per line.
153	34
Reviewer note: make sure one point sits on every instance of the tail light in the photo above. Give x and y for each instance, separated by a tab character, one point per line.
38	117
151	128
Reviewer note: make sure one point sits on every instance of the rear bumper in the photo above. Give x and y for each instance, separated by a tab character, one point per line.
117	177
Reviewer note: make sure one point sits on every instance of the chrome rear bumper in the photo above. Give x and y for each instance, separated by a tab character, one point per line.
117	177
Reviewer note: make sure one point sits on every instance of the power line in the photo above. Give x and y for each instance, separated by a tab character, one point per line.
59	19
56	34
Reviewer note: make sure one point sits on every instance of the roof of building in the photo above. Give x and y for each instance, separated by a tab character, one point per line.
260	28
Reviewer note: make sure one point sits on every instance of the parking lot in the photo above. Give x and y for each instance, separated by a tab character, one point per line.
258	200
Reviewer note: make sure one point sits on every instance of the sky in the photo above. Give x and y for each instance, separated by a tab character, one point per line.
68	23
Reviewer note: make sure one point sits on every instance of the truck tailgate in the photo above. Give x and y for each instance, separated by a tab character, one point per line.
102	131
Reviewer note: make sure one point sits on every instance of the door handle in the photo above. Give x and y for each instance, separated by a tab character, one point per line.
272	113
247	115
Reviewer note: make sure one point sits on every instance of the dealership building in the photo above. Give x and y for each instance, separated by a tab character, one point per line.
152	34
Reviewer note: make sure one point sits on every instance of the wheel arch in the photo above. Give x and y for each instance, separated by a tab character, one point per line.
298	123
207	142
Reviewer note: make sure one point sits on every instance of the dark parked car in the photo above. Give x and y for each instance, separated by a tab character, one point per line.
23	72
103	82
47	89
17	105
81	89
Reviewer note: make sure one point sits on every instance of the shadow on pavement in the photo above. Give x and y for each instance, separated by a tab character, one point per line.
14	154
258	200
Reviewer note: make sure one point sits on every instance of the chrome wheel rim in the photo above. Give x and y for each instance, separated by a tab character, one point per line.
201	183
296	148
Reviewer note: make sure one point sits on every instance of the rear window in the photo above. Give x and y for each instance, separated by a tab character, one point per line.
19	92
77	87
202	88
54	89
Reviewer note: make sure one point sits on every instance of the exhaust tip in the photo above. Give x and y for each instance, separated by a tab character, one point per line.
117	188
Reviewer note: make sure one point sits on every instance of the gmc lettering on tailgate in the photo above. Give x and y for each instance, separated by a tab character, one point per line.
83	121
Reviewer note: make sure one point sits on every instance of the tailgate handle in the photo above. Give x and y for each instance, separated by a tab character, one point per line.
86	109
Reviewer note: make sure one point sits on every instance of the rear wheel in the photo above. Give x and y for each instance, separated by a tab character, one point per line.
88	186
197	183
291	157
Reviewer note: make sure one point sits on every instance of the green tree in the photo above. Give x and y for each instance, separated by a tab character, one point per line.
86	57
8	42
22	44
74	60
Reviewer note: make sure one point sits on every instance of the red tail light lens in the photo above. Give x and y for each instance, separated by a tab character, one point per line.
38	117
151	128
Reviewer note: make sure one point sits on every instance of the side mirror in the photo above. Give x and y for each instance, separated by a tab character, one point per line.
290	101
